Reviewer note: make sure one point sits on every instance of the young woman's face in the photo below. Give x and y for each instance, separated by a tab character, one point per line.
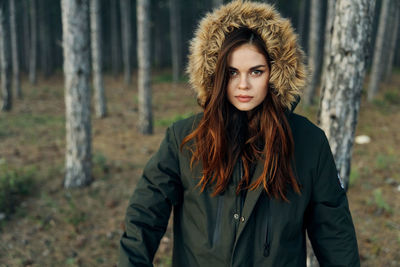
248	77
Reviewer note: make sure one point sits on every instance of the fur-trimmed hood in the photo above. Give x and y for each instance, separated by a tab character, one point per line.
287	76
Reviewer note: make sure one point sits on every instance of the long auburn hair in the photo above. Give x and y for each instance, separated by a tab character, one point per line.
225	134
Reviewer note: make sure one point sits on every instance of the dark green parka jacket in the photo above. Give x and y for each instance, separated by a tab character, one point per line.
230	230
250	230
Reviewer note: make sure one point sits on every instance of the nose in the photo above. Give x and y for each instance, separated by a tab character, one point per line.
243	82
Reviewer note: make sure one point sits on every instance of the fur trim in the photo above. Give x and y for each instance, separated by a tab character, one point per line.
287	76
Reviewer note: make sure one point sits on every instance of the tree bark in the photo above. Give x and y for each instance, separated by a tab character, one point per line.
346	68
175	30
392	40
33	44
77	97
125	7
145	109
97	61
115	42
379	61
14	50
26	39
330	15
314	52
5	61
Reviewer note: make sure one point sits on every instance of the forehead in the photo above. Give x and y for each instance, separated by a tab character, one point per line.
246	56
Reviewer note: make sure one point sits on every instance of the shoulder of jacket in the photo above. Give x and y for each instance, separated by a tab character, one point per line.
303	129
184	127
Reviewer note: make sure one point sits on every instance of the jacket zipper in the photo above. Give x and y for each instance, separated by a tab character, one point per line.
267	243
238	200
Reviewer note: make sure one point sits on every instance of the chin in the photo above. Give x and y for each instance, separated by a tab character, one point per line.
244	108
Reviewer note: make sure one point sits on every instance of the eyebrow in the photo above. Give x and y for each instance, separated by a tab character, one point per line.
252	68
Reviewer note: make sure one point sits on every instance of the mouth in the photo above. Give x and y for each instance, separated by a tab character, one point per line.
244	98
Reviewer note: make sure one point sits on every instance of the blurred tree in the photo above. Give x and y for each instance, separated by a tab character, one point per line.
380	51
392	40
33	43
45	38
330	15
301	25
125	6
346	68
161	42
77	97
217	3
314	52
143	51
97	62
25	36
4	59
115	39
175	32
14	50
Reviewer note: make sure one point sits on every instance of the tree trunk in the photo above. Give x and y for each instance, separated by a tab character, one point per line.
301	22
77	97
33	46
330	15
392	40
125	7
4	60
14	49
346	68
143	24
378	63
115	43
97	61
45	48
314	52
26	42
175	30
217	3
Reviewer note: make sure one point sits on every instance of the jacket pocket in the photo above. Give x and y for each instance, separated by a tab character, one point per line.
217	229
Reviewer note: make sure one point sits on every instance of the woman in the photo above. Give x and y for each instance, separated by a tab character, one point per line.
247	177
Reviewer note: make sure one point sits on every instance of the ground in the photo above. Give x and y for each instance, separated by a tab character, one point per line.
52	226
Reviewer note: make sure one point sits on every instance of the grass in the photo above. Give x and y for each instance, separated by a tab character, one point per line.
14	185
168	121
354	176
100	166
32	124
392	97
167	78
384	162
380	203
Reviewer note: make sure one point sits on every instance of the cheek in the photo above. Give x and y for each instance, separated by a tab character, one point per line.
263	89
229	90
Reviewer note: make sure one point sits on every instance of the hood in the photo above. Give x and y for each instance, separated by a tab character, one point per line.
287	75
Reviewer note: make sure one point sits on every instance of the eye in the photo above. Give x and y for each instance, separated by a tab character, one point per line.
232	73
257	72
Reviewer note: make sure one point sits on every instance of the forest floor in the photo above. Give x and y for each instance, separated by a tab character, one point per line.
52	226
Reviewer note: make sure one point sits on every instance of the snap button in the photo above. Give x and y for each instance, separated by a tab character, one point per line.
236	216
242	219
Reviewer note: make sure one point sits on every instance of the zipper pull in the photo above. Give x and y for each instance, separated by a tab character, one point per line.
267	247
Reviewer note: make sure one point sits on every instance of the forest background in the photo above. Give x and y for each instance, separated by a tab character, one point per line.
42	223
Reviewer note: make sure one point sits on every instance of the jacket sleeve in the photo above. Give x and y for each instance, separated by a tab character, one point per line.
150	206
330	227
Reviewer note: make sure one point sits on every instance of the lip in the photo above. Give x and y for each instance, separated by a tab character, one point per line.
244	98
